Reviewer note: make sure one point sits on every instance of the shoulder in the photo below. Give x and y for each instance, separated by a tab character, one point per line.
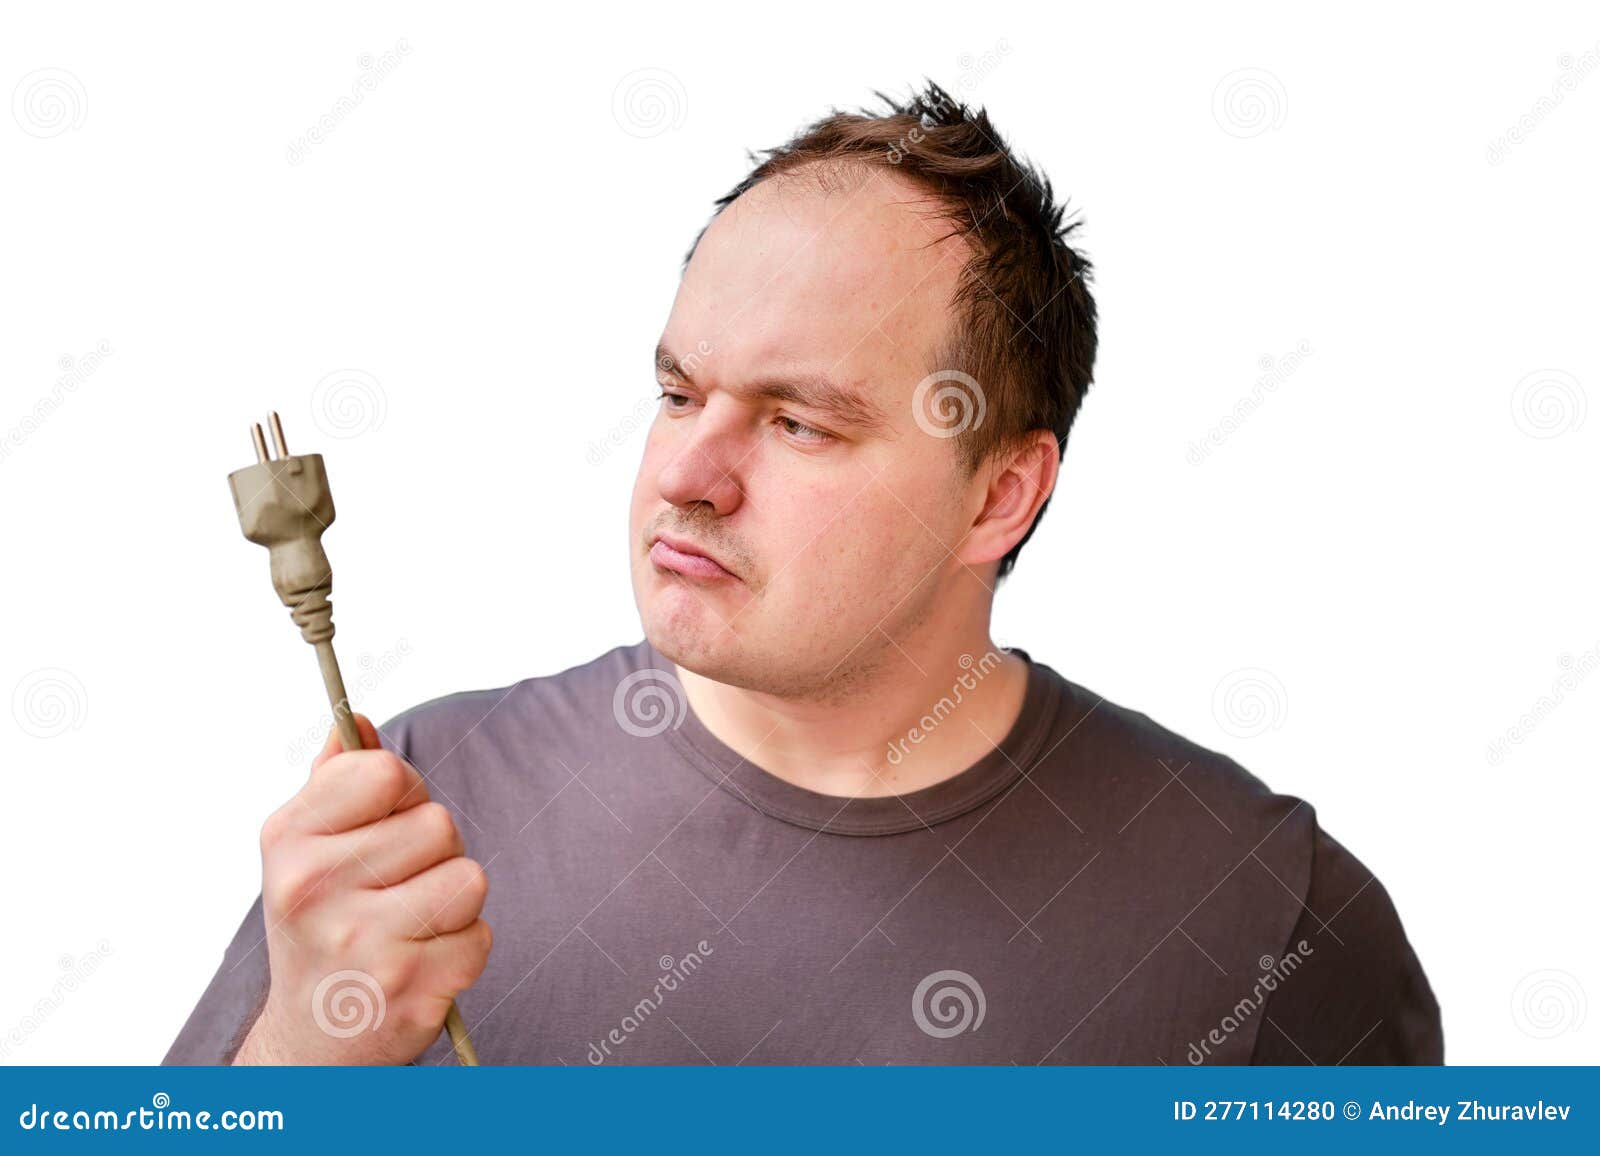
1143	778
502	725
1346	983
1359	994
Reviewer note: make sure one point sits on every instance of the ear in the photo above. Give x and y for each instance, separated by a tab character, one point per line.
1013	489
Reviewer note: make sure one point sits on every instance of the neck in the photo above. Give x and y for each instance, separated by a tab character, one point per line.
920	710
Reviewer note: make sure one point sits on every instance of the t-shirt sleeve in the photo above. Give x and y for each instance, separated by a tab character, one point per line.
232	1000
1358	994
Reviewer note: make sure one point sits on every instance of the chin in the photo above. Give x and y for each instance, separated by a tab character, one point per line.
688	633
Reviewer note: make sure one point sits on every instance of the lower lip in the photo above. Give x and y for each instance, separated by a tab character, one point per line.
689	565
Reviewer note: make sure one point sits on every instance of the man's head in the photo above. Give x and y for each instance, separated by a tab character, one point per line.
869	373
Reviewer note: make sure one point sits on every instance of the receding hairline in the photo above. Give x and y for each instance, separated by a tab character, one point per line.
847	175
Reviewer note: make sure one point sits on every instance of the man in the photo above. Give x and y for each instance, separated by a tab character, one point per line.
817	815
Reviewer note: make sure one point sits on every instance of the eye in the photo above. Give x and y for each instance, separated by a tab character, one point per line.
802	432
674	401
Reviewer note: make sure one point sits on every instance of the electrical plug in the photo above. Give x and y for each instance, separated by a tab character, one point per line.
285	504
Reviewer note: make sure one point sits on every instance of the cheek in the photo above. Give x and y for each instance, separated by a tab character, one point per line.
852	542
907	528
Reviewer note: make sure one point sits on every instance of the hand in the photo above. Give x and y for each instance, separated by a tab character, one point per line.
372	914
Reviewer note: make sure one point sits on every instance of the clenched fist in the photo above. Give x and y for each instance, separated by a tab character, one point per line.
372	914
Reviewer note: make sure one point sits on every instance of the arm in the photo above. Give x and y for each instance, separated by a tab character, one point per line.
366	928
231	1002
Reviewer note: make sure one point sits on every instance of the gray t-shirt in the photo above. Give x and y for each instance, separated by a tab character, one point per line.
1095	890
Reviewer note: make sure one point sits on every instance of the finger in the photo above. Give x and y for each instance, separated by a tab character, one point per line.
399	846
444	898
333	745
453	962
355	788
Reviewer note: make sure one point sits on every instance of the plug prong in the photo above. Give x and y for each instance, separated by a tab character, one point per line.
277	435
261	442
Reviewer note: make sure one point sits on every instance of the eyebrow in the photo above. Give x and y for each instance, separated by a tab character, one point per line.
811	390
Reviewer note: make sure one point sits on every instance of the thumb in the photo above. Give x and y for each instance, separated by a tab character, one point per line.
369	740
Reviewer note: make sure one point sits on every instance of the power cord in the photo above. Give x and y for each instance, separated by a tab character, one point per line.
284	504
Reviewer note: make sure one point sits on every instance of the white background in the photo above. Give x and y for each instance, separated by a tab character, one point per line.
1397	546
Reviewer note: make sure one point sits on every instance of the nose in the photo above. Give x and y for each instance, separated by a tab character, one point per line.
703	463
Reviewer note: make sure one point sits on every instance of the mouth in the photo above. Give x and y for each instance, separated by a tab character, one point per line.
681	556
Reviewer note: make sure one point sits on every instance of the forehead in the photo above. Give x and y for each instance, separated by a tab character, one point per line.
854	281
